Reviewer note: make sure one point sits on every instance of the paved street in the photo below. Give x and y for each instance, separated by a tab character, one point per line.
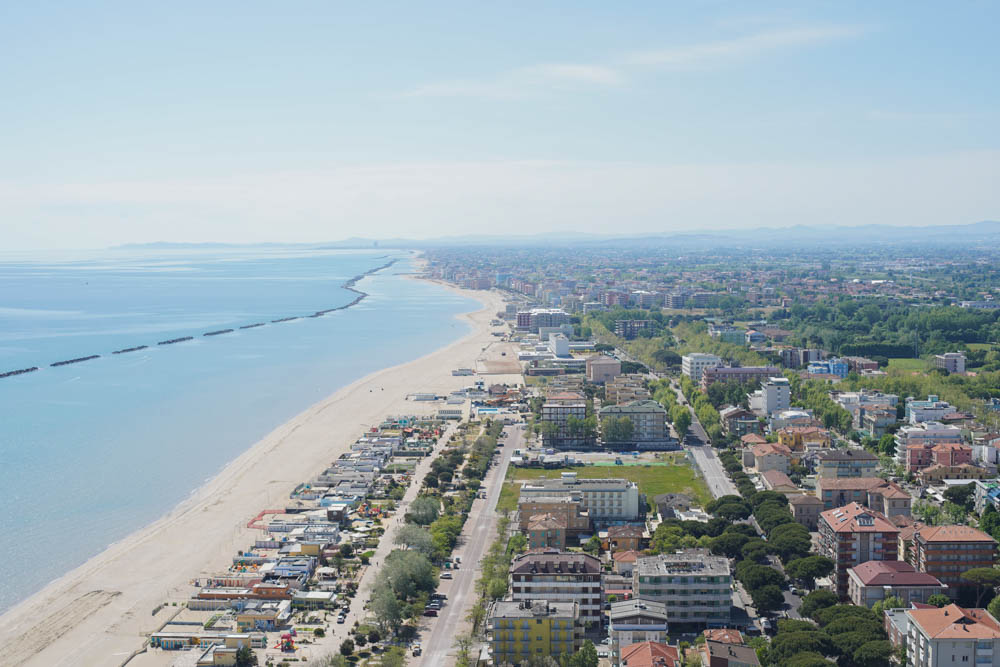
438	636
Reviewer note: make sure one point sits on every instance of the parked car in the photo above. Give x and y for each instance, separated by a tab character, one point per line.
438	596
341	619
446	575
430	612
416	649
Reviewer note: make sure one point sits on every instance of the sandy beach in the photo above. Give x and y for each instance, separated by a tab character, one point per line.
98	613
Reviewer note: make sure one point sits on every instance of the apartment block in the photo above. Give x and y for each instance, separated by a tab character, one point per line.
559	576
950	362
694	585
601	368
852	535
693	365
946	552
878	579
952	635
847	463
524	630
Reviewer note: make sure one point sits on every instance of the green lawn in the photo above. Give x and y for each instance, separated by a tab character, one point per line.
981	346
676	477
908	364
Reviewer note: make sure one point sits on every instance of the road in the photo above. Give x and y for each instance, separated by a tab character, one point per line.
696	442
477	535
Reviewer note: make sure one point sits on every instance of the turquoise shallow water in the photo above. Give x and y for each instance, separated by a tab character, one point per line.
93	451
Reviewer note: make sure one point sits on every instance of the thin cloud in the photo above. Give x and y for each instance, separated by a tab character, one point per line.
536	79
719	52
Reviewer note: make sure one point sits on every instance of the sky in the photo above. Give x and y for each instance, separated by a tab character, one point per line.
127	122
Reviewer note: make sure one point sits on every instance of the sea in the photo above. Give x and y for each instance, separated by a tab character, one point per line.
92	451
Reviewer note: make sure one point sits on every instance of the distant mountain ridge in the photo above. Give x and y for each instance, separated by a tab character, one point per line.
977	232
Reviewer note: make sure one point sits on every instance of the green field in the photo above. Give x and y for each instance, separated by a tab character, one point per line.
908	364
653	479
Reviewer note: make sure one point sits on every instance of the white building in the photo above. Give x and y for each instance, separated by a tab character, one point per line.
559	345
925	432
952	635
927	411
775	395
695	586
607	500
694	364
952	362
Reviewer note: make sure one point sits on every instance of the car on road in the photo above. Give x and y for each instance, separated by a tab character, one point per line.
341	619
417	649
793	590
446	575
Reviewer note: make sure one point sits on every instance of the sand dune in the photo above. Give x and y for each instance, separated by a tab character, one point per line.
98	613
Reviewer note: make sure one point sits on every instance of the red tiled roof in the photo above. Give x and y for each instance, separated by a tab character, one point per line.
953	534
651	654
892	573
954	622
856	518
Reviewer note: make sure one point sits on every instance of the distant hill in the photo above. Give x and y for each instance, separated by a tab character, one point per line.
987	231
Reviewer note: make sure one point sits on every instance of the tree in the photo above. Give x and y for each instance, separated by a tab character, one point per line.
787	645
756	576
393	657
767	598
245	657
585	657
994	607
732	511
346	647
423	510
891	602
815	602
617	429
755	549
962	496
939	600
386	608
989	522
985	578
415	537
809	568
593	545
808	659
729	544
874	653
682	420
346	550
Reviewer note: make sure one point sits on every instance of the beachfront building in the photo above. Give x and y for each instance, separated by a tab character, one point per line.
531	320
694	585
530	629
559	576
606	501
693	365
852	535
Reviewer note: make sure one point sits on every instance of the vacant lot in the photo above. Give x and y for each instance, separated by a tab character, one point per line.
676	477
908	364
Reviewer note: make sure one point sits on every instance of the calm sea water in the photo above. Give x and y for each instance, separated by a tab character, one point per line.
91	452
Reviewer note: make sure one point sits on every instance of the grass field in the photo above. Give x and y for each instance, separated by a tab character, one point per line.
676	477
981	346
908	364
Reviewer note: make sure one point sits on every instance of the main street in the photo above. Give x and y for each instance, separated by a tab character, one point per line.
477	535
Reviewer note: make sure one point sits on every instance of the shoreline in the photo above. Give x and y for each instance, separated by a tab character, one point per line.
98	612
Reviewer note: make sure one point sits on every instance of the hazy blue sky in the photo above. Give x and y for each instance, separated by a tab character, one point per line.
300	121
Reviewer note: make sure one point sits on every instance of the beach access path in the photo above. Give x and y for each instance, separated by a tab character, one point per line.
100	613
438	636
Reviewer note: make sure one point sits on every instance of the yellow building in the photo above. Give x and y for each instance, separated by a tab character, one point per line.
804	438
523	629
